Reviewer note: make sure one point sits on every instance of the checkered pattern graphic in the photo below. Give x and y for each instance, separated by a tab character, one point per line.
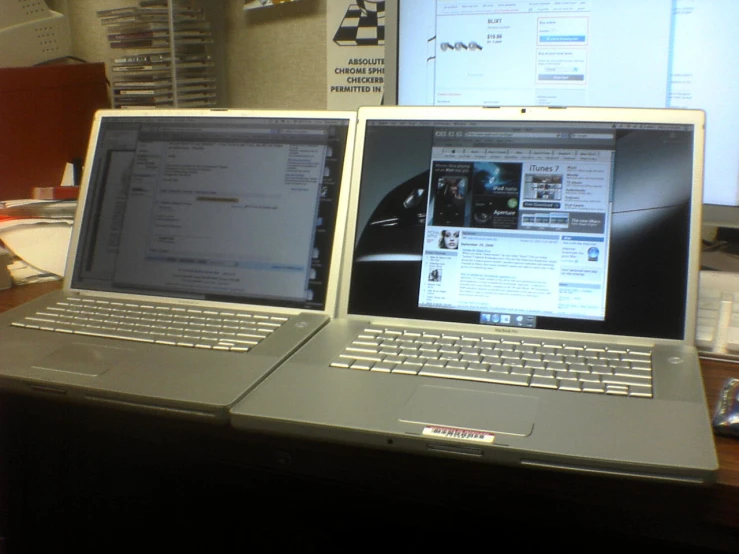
371	6
362	27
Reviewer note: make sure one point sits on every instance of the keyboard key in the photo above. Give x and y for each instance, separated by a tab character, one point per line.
405	370
41	319
361	350
626	381
732	339
617	389
635	372
366	358
705	334
546	373
718	306
543	382
489	377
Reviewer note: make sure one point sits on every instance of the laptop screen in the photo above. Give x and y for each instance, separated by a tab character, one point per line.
547	225
230	209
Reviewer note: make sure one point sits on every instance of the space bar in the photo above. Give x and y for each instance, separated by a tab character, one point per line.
470	375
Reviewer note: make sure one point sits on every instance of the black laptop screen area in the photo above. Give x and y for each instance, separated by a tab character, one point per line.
561	226
213	208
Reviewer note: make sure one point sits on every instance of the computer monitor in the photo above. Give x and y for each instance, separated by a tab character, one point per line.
661	53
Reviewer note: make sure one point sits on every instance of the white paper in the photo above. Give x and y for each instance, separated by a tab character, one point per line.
40	243
24	274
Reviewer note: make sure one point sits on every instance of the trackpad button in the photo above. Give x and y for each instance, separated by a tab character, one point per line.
511	414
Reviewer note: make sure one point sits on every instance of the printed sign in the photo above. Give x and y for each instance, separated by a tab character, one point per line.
356	53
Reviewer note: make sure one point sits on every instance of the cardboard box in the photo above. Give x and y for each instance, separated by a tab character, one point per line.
45	118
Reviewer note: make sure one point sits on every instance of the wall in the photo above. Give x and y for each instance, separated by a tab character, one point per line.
274	57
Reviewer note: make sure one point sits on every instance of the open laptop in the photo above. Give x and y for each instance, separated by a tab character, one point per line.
204	251
519	286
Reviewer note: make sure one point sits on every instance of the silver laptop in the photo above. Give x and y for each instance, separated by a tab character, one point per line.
204	252
518	286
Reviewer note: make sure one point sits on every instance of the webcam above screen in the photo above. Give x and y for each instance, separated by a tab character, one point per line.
579	53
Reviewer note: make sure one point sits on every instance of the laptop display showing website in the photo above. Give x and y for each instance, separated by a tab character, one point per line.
199	234
520	287
543	227
228	209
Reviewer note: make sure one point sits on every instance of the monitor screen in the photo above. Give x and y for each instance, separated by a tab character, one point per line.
662	53
523	223
230	208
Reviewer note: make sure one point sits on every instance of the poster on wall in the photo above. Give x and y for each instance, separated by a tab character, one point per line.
356	53
252	4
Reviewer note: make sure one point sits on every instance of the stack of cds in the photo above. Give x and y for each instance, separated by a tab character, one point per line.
161	55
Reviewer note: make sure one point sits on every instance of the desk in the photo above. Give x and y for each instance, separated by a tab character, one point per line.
73	453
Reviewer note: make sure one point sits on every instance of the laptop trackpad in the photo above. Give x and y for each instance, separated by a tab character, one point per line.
511	414
84	359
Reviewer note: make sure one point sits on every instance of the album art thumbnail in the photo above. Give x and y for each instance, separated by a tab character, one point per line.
449	239
496	194
496	178
449	200
449	193
495	213
543	187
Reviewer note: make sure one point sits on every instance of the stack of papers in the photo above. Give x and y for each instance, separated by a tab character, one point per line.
37	233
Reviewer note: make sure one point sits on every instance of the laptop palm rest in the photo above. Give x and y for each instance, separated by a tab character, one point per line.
83	359
510	414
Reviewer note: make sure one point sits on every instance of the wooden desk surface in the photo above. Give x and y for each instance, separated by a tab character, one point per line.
724	503
16	296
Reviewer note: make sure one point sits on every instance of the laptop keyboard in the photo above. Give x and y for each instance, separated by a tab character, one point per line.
171	325
570	367
717	329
